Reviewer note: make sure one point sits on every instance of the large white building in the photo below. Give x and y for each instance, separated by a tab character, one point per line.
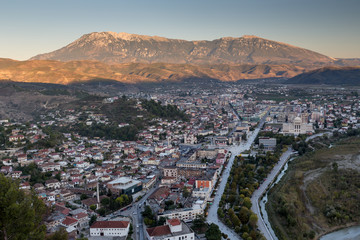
185	214
110	229
173	230
296	127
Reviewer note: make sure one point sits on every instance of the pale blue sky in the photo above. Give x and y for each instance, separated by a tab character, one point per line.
331	27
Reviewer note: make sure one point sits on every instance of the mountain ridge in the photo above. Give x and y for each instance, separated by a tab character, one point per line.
111	47
328	75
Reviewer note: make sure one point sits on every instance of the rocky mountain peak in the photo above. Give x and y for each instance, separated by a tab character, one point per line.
112	47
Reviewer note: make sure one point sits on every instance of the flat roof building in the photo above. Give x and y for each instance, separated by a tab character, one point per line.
125	185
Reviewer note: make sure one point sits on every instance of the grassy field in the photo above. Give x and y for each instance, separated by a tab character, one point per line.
319	193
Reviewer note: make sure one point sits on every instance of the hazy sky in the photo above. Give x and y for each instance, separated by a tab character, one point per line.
331	27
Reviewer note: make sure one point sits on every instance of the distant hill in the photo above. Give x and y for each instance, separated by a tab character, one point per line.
329	75
114	48
50	71
24	102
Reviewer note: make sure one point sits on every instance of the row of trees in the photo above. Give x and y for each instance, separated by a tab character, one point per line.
235	203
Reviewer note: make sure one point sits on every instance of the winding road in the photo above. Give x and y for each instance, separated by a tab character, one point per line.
262	189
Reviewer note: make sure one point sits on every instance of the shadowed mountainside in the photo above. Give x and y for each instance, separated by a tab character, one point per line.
50	71
329	75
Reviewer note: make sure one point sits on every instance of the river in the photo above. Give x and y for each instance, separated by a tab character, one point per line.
264	200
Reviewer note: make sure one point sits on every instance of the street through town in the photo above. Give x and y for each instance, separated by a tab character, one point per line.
235	150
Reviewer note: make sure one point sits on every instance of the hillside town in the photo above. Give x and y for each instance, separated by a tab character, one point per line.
156	186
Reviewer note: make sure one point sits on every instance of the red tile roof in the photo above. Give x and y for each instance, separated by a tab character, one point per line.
161	193
69	221
80	215
159	231
174	222
110	224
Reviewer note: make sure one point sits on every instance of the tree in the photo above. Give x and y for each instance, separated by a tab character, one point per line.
220	213
247	202
149	221
161	221
21	212
92	220
244	215
244	137
93	207
186	192
199	222
58	176
335	166
60	234
102	212
105	201
83	196
109	193
311	235
213	232
253	220
148	212
123	200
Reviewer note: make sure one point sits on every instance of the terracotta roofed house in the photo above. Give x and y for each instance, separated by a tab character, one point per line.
174	229
110	228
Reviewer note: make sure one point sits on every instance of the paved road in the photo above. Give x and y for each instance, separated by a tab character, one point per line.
140	228
235	150
135	213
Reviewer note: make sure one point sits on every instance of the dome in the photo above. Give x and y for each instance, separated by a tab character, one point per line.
297	120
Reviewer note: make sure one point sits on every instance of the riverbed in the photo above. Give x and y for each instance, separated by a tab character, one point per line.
264	200
351	233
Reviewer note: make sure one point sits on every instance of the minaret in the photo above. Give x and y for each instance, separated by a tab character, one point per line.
97	193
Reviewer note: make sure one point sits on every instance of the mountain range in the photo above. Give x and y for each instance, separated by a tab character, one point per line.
113	48
132	58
